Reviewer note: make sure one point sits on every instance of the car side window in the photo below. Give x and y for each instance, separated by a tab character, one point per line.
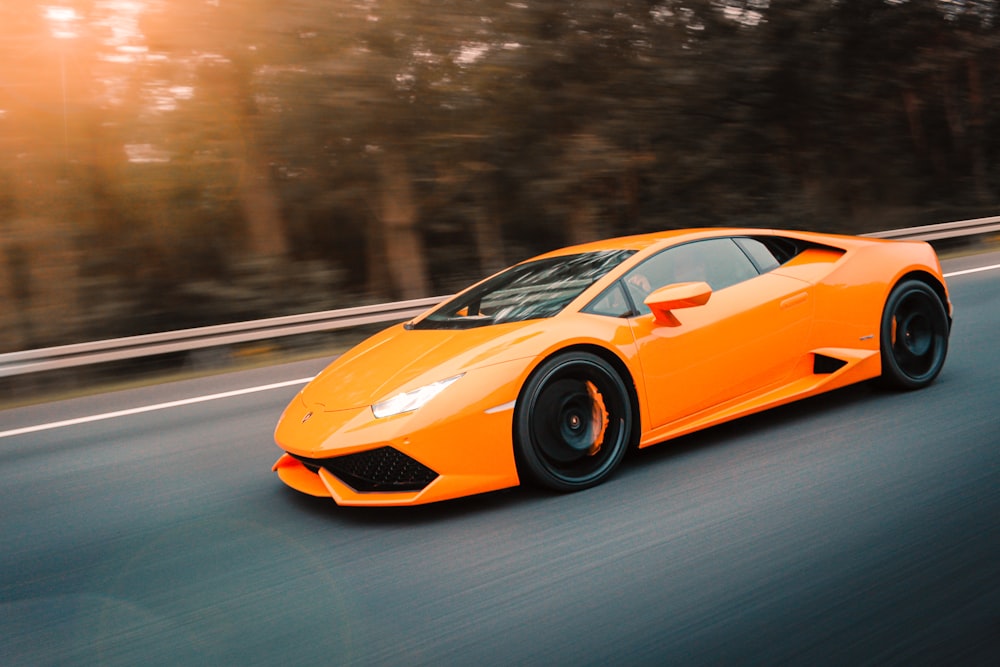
718	262
612	302
759	253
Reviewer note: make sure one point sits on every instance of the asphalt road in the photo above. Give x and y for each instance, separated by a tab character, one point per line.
860	527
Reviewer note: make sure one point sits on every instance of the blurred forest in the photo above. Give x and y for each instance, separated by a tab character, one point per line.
176	163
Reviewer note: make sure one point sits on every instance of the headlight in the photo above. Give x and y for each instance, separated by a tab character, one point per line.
411	400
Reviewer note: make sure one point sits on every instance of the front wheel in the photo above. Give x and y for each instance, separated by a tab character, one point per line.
914	334
572	422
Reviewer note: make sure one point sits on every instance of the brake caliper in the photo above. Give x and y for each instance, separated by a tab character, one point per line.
599	418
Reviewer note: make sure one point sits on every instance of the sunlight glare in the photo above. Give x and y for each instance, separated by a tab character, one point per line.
61	20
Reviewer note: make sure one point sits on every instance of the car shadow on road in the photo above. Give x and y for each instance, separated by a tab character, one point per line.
758	424
445	510
525	495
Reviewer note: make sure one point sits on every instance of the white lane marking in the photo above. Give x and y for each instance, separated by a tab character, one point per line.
150	408
968	271
252	390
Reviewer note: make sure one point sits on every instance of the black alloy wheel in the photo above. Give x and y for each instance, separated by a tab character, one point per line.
572	422
914	336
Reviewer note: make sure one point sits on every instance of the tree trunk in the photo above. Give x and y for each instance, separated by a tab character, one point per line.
261	208
582	220
976	144
489	240
259	200
405	263
15	325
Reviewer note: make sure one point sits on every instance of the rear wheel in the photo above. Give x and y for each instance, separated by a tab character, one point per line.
914	336
572	422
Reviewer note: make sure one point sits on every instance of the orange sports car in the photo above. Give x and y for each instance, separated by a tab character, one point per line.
549	371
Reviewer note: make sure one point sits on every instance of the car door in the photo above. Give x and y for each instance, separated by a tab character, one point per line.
748	336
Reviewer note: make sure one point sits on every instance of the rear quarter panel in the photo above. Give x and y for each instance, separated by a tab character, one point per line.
851	297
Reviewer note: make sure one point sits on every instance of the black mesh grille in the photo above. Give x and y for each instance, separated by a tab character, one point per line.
383	469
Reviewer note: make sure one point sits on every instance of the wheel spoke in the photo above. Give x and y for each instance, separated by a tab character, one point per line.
914	341
573	425
916	335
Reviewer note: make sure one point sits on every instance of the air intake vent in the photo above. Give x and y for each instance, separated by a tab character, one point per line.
824	365
376	470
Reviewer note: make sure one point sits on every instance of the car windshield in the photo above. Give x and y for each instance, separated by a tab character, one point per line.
528	291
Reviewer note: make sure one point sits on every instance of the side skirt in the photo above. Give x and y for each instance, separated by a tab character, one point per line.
824	370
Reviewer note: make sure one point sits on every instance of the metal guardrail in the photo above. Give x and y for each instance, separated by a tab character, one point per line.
134	347
944	230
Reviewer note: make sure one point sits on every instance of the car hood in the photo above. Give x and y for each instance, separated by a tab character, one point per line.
398	360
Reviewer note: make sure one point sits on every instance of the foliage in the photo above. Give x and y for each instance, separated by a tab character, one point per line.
176	163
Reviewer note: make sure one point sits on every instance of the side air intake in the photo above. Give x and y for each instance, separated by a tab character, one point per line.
824	365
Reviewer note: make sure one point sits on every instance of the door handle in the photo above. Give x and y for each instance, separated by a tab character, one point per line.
801	297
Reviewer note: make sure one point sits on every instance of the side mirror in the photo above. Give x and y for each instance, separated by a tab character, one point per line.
678	295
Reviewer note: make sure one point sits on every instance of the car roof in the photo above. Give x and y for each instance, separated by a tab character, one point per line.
664	238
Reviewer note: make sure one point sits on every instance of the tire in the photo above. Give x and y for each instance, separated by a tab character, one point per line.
914	336
572	422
